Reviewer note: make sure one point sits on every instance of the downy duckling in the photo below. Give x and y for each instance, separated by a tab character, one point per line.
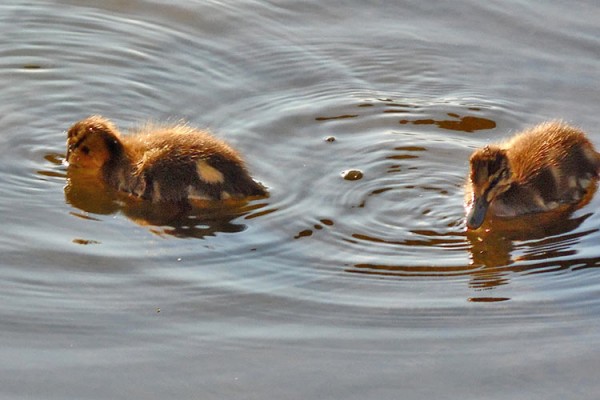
540	169
159	163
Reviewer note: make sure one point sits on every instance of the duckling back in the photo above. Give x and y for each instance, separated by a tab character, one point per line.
552	146
552	163
179	162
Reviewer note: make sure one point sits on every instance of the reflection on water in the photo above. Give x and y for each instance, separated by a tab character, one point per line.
197	220
316	227
511	246
458	122
465	124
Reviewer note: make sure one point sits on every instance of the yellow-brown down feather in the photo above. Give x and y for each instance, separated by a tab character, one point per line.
546	144
157	145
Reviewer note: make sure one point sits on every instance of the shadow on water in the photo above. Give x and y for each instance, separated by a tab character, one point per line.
198	220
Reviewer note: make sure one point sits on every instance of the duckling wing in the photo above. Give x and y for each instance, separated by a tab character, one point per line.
179	163
227	175
164	174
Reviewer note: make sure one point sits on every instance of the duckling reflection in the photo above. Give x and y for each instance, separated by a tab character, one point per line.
183	220
532	243
551	166
543	247
495	248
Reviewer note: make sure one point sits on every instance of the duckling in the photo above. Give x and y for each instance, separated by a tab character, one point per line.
550	165
159	163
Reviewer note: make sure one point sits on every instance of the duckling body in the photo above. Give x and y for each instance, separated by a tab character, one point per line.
160	163
540	169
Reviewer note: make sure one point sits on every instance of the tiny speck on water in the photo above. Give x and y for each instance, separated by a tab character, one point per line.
352	174
330	139
487	299
85	241
304	233
32	66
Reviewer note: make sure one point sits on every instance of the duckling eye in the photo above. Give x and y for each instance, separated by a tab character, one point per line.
85	150
499	177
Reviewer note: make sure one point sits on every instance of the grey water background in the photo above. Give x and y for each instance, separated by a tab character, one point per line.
330	288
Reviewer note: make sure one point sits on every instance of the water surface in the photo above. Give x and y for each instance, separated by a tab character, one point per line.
338	285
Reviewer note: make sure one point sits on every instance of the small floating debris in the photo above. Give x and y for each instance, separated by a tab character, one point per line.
85	241
330	139
487	299
32	66
344	116
317	227
304	233
352	174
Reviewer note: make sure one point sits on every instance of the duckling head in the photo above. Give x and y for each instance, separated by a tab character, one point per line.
490	177
91	142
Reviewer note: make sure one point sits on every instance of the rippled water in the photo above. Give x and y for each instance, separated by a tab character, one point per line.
355	278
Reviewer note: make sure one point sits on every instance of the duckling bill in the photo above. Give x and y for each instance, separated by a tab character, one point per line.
159	163
545	167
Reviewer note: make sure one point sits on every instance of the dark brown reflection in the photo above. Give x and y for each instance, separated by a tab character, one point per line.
492	244
550	247
455	122
85	242
405	153
199	220
309	232
487	299
345	116
58	171
467	123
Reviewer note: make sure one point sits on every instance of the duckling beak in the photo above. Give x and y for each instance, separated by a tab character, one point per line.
476	214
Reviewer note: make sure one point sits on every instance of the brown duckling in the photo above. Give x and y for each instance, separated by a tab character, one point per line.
550	165
160	163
